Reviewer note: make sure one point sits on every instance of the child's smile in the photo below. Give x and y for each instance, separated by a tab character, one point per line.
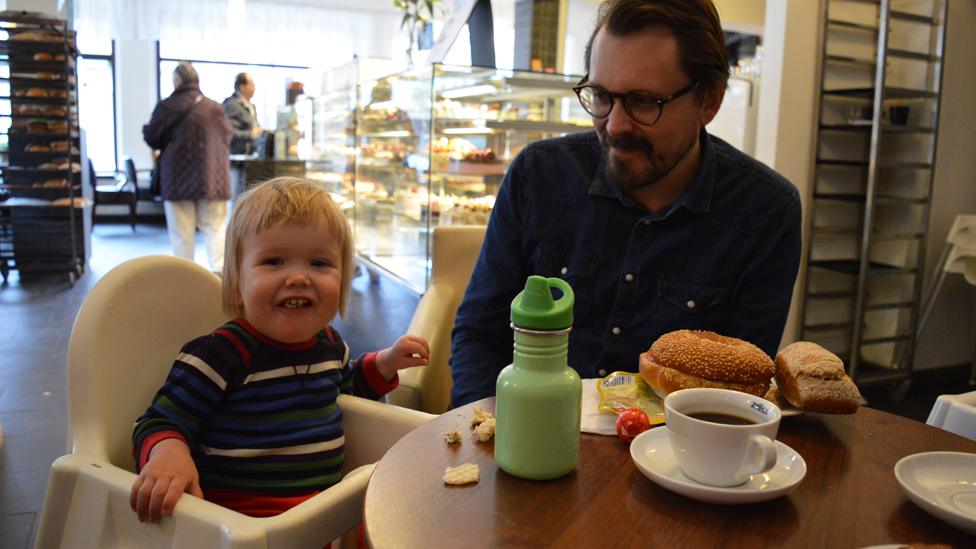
290	280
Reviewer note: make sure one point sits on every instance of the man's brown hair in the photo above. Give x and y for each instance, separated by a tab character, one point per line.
696	27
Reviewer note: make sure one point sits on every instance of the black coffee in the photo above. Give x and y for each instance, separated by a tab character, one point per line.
726	419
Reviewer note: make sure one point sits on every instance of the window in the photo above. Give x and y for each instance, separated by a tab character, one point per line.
96	100
217	82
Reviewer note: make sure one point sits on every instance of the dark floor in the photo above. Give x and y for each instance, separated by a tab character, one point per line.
37	317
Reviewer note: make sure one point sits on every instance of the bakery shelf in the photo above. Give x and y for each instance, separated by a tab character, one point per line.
46	218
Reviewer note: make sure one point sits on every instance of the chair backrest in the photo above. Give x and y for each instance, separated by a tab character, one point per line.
956	414
131	176
92	178
454	253
123	343
962	242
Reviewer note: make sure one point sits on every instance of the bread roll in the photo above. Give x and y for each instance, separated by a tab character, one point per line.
666	380
813	379
43	56
36	92
694	358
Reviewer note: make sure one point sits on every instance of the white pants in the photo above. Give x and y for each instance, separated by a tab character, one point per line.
183	217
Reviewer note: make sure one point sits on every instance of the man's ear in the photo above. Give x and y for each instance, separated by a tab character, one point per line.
710	105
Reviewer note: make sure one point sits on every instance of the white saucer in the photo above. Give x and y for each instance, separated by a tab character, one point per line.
942	483
651	452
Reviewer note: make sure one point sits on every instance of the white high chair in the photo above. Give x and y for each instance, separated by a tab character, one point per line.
453	256
126	335
956	414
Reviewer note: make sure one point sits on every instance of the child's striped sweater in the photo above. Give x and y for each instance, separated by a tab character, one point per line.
260	416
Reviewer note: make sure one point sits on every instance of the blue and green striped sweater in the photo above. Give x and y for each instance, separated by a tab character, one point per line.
260	416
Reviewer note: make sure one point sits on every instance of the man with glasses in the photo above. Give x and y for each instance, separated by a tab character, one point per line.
656	224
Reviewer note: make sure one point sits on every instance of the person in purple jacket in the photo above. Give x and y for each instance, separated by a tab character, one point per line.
193	137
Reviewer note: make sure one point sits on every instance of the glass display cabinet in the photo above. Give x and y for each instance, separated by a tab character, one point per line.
332	158
433	145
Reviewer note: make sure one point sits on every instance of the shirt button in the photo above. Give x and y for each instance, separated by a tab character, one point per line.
616	330
601	372
629	277
691	304
564	270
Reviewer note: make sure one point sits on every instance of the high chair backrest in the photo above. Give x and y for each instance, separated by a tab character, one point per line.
454	253
955	413
123	343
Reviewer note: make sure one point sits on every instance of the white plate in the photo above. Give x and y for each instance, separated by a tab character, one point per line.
651	452
942	483
785	407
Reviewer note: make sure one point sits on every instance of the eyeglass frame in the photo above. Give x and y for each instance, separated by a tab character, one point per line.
661	101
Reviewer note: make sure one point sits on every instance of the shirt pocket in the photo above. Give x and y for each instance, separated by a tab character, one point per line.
578	270
692	306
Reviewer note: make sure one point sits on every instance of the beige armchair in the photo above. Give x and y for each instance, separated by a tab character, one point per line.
455	250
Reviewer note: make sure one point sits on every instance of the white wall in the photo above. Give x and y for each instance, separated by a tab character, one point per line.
784	129
950	336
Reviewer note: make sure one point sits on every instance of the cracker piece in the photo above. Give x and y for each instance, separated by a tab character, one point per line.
466	473
452	436
480	416
485	430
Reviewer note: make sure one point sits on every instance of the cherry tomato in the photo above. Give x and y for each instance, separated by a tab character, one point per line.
632	422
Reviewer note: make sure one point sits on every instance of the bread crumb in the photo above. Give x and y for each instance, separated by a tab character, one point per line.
480	416
452	436
485	430
466	473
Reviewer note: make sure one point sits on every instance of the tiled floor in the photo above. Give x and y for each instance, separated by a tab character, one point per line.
35	323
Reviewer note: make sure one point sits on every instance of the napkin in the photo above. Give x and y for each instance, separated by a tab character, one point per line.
593	420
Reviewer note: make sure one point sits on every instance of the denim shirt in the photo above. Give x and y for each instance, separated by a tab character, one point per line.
722	257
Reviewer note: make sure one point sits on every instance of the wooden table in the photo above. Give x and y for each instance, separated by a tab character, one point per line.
849	498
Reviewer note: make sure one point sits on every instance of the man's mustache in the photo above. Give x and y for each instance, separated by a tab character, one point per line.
628	142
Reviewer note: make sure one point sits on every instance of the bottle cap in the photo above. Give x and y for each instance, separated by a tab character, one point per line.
535	309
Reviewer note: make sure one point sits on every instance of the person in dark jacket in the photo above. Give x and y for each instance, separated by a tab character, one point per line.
242	116
193	137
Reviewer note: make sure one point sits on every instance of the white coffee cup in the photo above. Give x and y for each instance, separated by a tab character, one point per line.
721	454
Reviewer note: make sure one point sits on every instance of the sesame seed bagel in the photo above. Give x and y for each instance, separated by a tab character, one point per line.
667	380
712	357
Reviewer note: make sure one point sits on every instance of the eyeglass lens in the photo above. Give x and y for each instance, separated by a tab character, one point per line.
642	107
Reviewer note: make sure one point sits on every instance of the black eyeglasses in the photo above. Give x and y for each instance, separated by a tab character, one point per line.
642	107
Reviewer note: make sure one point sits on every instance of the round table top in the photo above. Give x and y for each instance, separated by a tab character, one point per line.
849	497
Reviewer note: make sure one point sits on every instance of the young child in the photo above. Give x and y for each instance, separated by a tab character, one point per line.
247	417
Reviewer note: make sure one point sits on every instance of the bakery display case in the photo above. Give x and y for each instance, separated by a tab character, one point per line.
44	198
433	145
332	156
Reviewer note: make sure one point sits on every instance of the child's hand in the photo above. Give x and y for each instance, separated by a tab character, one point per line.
407	352
168	473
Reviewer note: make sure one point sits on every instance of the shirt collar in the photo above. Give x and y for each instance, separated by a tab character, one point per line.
697	198
242	98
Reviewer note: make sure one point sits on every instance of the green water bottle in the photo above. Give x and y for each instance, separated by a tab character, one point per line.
538	396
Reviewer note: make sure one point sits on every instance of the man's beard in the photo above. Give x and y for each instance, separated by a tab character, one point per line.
633	175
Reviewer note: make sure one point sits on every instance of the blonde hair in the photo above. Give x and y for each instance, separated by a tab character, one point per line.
283	200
